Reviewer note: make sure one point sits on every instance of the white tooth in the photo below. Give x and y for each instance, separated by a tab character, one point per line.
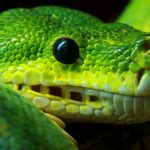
86	110
44	89
138	105
41	102
146	108
128	105
128	109
118	104
73	109
57	106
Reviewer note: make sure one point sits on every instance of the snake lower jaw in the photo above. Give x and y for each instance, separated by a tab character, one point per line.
82	104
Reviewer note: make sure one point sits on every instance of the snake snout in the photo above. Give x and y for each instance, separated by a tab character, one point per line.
146	46
141	56
141	53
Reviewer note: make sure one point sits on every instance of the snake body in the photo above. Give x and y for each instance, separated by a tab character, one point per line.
109	82
136	14
23	126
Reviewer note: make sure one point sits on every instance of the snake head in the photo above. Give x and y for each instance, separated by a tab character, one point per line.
72	65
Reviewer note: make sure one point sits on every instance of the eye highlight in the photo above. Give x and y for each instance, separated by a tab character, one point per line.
66	50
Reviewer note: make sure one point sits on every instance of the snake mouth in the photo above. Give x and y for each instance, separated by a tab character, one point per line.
76	94
69	94
84	104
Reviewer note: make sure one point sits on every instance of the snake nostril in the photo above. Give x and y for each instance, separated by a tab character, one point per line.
140	74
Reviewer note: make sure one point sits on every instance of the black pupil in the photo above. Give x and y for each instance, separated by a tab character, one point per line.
66	50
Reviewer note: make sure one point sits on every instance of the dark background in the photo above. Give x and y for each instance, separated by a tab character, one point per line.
107	10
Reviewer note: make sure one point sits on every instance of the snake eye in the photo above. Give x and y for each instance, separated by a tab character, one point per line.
66	50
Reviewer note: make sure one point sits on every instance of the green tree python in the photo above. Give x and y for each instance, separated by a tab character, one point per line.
71	65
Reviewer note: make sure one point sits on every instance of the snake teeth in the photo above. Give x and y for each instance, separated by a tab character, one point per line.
80	103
